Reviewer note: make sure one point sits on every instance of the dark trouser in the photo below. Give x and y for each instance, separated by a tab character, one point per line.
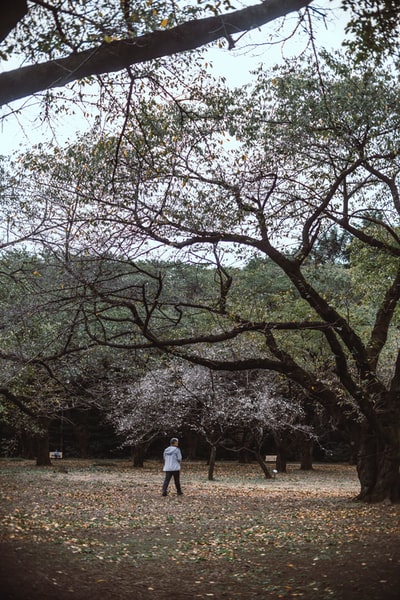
168	476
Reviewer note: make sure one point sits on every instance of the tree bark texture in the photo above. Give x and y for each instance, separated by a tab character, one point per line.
281	461
378	468
306	455
118	55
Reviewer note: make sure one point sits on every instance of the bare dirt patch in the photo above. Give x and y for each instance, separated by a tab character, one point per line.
104	529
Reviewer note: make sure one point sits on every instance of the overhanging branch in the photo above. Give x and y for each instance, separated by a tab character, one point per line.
11	12
118	55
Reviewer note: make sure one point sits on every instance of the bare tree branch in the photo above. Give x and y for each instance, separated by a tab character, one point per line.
118	55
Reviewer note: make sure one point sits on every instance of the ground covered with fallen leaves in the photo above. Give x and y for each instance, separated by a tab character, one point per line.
102	529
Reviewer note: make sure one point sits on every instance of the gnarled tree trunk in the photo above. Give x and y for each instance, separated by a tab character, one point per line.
378	466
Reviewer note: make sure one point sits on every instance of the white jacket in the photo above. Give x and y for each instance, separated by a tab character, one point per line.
172	459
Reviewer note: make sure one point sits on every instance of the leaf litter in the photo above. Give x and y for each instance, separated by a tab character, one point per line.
241	536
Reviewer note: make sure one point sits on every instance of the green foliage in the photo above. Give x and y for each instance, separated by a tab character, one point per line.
373	269
334	108
76	26
143	232
374	29
331	247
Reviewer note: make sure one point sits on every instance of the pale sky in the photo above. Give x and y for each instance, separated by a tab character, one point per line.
265	45
19	132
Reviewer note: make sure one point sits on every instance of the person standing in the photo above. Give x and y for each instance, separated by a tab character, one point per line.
172	466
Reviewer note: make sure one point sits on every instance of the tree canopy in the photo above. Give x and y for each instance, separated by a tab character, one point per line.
65	42
94	39
193	182
271	200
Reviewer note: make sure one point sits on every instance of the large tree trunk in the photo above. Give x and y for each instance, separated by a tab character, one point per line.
281	460
378	465
306	455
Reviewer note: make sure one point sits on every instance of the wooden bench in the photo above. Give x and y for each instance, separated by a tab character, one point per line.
56	454
270	458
